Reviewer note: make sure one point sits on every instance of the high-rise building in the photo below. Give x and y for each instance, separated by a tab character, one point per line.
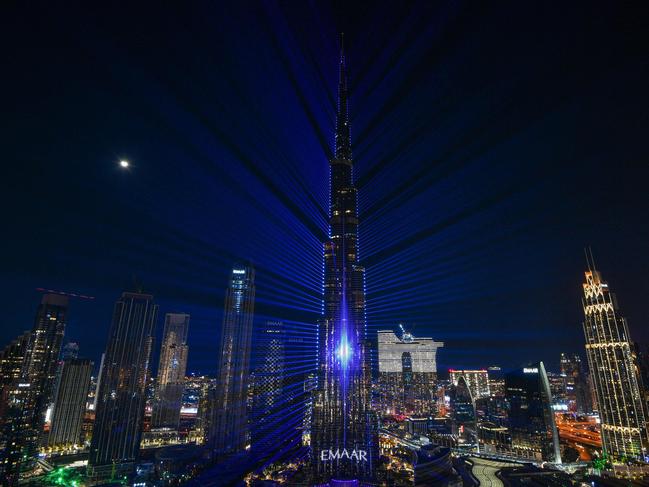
614	371
463	411
476	380
30	396
70	403
496	381
344	434
577	390
269	401
171	372
559	390
229	425
115	444
531	418
68	351
407	373
11	365
205	410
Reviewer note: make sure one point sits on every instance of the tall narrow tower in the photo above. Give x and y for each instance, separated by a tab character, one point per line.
269	405
343	433
171	372
614	371
70	404
115	445
31	394
228	432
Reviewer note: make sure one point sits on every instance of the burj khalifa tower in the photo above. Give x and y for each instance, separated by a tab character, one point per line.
344	444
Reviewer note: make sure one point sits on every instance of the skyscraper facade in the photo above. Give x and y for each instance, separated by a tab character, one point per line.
70	403
343	433
229	425
11	365
269	401
171	372
577	390
115	444
12	358
477	380
614	371
531	418
407	373
30	396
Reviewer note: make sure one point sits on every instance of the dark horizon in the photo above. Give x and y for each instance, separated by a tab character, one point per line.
488	153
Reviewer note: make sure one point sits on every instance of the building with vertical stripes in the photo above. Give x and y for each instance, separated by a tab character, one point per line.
115	445
70	403
614	371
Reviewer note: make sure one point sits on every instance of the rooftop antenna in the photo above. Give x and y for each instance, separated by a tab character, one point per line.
590	261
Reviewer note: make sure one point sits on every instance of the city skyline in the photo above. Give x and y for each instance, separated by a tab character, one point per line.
431	82
387	226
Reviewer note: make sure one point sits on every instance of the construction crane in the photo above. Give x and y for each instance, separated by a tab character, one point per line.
64	293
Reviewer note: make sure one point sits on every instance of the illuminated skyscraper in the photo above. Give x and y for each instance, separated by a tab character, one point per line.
115	444
496	381
11	365
171	372
229	425
70	403
343	435
577	390
476	380
407	373
30	396
614	371
269	401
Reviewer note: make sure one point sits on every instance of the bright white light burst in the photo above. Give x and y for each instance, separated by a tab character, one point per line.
123	163
344	351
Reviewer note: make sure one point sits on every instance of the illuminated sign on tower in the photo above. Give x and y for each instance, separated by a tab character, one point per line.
343	432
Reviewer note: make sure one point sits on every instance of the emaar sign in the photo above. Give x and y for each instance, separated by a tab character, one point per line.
358	455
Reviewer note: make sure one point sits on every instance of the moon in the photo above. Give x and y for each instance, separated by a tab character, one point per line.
123	163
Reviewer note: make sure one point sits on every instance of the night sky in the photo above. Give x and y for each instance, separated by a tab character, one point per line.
492	142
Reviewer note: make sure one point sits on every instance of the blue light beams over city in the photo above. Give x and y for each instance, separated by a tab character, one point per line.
470	169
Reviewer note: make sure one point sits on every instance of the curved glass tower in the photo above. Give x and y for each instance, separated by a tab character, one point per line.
343	433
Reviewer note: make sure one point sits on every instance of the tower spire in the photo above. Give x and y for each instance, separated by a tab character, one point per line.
343	148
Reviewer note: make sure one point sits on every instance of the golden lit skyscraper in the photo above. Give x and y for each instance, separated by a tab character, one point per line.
614	371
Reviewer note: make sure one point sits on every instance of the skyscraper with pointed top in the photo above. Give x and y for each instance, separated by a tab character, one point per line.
614	370
343	433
